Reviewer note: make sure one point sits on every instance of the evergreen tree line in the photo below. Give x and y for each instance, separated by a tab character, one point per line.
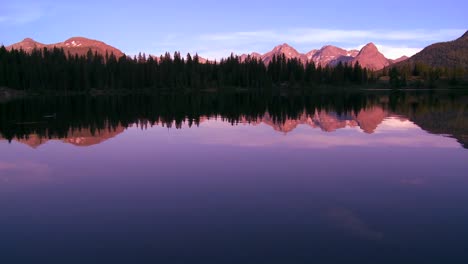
54	70
55	116
440	112
422	75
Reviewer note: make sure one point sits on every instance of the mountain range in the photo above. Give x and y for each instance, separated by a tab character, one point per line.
81	138
369	56
75	45
366	119
445	54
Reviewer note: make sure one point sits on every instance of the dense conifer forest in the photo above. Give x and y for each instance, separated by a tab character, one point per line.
53	70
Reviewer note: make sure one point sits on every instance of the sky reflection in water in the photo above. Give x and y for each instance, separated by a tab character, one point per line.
245	193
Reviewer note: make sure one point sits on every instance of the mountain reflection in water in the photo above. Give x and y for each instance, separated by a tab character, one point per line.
362	177
86	121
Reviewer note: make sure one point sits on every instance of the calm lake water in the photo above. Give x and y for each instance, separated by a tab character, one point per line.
376	177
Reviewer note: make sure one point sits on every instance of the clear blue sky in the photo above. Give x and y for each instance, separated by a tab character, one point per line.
216	28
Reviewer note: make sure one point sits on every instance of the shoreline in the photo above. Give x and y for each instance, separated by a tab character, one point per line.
8	94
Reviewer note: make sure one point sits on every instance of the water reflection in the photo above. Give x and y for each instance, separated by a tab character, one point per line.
23	171
87	121
349	222
235	178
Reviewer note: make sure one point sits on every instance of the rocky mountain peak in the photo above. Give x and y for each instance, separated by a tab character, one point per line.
369	57
369	48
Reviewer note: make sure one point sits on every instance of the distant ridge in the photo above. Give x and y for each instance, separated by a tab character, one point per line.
83	137
402	58
369	56
330	55
74	45
449	54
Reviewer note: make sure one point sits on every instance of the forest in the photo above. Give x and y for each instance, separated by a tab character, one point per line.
53	70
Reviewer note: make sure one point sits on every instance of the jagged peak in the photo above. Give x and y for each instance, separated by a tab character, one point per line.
369	47
285	49
283	46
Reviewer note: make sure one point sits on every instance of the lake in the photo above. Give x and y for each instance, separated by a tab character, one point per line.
356	177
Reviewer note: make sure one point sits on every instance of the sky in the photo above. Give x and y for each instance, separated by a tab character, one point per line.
214	29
